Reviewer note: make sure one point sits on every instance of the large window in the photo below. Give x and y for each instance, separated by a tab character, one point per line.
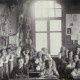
48	31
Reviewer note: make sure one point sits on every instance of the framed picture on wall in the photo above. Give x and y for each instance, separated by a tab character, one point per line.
68	31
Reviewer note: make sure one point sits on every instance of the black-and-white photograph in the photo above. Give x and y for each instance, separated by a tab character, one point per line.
39	39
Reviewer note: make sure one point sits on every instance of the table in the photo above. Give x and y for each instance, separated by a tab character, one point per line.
34	79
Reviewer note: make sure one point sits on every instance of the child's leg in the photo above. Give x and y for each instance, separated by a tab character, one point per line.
10	66
1	73
6	72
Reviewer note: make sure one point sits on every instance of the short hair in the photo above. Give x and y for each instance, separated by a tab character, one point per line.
43	48
19	59
39	53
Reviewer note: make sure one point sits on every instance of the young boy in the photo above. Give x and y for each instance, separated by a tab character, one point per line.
19	70
45	51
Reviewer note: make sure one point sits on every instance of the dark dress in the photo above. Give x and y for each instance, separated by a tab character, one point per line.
23	71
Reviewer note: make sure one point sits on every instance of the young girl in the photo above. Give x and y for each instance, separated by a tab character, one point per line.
5	65
70	65
11	60
38	61
49	71
76	72
62	52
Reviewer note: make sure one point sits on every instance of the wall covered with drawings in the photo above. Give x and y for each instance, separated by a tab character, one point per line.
25	23
8	23
73	27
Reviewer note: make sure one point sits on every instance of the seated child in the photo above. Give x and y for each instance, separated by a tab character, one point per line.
49	71
76	72
62	52
38	61
78	52
76	58
43	62
45	51
70	63
27	64
19	70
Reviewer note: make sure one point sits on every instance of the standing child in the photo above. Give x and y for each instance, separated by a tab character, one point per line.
11	60
1	66
5	65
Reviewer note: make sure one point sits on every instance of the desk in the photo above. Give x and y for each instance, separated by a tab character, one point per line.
35	79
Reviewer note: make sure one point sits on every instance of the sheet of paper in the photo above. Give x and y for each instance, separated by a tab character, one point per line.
78	42
74	37
79	36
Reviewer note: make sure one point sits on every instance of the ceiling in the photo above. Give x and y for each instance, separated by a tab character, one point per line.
69	2
62	2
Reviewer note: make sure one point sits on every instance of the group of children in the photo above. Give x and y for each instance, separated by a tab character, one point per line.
23	61
70	63
26	60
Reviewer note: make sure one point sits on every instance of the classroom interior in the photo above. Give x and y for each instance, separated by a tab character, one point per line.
44	35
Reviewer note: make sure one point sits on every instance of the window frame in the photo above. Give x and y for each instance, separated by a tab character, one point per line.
48	27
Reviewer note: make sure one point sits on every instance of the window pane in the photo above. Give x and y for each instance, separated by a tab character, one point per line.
44	4
41	41
55	43
58	12
51	4
55	25
51	12
44	12
57	5
37	4
38	13
41	25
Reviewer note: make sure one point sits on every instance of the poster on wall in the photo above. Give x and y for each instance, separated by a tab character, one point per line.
68	31
68	24
73	26
12	39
